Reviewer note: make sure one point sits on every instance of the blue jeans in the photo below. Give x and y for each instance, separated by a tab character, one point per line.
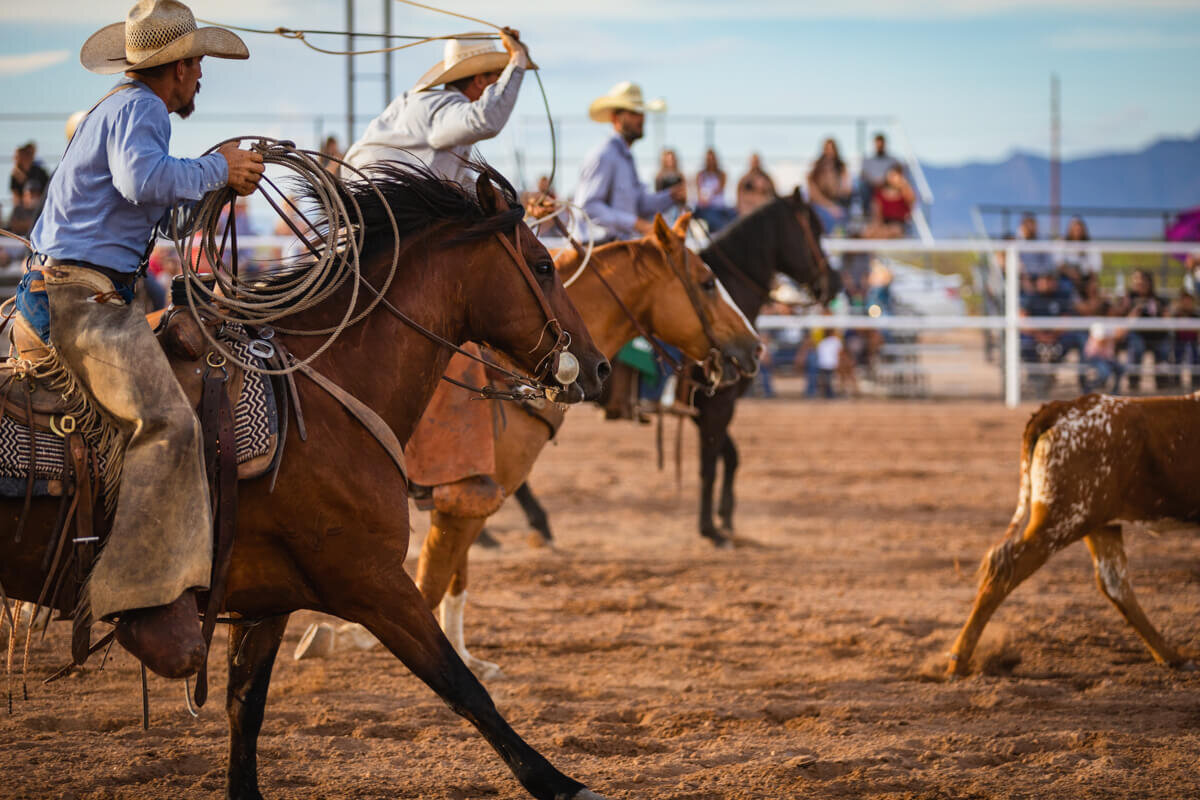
1136	345
1105	369
35	307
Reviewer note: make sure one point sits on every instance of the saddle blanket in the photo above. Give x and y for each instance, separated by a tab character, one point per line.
256	426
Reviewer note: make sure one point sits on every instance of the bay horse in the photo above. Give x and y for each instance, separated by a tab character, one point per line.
332	536
627	288
782	236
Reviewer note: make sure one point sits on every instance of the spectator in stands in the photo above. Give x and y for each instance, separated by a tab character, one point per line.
710	194
1186	350
330	149
1045	346
1032	264
1142	302
26	170
1100	355
1077	264
27	208
829	188
668	170
891	207
539	203
874	172
755	189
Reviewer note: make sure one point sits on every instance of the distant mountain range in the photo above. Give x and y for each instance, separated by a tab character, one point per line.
1164	175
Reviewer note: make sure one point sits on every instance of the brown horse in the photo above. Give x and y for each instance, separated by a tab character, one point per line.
333	535
641	276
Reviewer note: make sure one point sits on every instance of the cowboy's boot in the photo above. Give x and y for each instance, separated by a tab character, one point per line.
165	638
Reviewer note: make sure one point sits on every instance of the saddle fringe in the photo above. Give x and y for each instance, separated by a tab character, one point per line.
101	433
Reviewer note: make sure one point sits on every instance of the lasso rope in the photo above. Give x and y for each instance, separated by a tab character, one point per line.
571	212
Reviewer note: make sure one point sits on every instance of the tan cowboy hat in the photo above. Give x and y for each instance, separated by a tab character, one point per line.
156	32
462	58
625	96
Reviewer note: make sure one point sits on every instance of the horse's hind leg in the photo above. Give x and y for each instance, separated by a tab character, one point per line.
397	614
451	613
252	649
729	453
534	512
1112	576
713	422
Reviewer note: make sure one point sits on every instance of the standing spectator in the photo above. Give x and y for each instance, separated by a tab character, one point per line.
710	194
26	170
829	187
668	170
1100	355
892	207
1142	302
755	189
875	170
330	150
1075	265
1032	264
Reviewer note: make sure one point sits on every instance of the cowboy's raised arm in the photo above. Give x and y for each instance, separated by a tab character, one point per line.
143	171
461	122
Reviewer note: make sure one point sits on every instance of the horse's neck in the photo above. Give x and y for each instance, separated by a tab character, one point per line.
750	246
382	361
608	324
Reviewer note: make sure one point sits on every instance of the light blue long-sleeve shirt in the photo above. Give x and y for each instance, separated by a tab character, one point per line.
611	193
117	180
437	127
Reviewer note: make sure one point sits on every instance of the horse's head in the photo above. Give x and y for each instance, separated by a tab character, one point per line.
525	312
688	307
800	253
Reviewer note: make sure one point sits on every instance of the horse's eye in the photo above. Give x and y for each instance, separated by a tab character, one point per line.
543	268
709	285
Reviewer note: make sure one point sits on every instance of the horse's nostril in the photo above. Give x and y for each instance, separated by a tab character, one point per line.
603	370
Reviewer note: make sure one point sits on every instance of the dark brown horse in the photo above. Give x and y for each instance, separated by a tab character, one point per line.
782	236
333	535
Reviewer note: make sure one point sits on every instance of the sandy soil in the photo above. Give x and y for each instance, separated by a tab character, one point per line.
805	663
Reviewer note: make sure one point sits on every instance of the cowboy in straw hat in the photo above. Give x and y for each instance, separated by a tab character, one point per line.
465	98
80	298
609	189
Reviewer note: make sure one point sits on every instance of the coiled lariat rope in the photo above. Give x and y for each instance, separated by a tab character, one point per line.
335	247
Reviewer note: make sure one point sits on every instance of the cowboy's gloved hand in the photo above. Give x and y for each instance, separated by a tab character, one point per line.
518	52
245	168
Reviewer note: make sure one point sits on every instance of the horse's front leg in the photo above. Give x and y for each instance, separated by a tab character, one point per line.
252	649
534	512
729	453
713	421
388	603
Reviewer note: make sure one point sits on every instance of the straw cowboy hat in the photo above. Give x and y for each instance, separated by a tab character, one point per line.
625	96
462	58
156	32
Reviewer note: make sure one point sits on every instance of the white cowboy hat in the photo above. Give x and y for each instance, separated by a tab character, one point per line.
156	32
625	96
462	58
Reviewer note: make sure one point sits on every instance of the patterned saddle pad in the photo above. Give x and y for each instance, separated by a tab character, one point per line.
256	426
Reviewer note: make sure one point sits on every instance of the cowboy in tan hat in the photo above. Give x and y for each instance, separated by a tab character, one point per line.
609	189
80	297
465	98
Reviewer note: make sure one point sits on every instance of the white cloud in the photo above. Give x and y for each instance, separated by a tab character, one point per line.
1110	39
31	62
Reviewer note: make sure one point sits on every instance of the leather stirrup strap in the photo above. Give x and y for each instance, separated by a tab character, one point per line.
220	458
85	539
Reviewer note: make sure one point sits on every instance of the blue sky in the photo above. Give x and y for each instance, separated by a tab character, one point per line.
967	80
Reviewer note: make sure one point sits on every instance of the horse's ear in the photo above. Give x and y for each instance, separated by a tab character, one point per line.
681	224
485	192
797	196
662	231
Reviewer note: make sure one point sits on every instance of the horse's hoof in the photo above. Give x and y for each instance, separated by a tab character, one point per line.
485	671
486	540
1187	666
719	541
537	541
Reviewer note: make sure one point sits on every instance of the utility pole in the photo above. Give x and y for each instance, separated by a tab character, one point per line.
1055	157
349	74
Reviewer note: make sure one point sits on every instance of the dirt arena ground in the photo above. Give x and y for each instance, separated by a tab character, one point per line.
805	663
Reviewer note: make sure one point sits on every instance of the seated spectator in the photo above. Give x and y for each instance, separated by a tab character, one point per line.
710	194
1032	264
26	170
891	207
829	188
1100	355
1186	350
874	172
29	205
668	170
330	150
755	189
1142	302
1075	265
1045	346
